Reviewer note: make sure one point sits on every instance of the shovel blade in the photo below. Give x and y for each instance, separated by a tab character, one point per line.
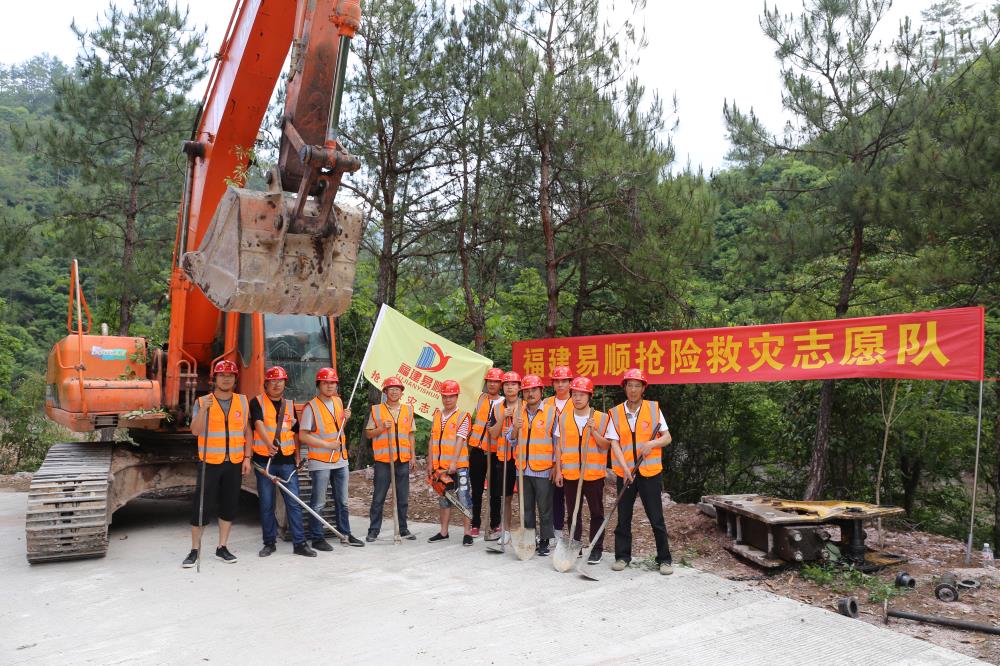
523	541
255	258
563	556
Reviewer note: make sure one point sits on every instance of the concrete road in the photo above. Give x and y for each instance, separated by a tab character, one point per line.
416	602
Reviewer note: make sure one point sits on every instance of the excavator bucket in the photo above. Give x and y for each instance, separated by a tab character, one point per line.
257	256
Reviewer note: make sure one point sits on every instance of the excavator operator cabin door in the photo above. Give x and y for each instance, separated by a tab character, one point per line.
301	344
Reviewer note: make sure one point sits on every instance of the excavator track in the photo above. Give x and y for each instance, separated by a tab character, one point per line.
67	517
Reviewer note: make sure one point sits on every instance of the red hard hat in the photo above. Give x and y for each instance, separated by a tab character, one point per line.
582	384
449	387
634	373
561	372
531	381
327	375
511	376
275	372
494	375
392	381
225	365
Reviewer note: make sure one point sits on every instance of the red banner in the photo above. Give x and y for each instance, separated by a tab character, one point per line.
944	344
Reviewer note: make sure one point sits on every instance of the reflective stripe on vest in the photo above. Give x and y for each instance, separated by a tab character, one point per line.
328	427
270	423
444	441
398	439
224	435
478	437
595	460
535	439
500	446
645	422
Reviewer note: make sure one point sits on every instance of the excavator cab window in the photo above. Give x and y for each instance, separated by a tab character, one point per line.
301	345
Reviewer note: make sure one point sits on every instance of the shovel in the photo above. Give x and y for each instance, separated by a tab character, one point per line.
522	538
568	548
266	471
498	545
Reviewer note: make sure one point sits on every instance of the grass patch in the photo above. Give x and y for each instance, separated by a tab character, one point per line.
848	580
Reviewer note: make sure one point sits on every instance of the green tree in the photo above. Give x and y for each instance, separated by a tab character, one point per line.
119	120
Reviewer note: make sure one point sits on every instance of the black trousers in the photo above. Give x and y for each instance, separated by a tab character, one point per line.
496	487
477	480
648	488
222	492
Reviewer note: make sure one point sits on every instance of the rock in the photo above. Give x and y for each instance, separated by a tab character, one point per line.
25	476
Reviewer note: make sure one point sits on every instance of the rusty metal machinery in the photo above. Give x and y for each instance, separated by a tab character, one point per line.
774	532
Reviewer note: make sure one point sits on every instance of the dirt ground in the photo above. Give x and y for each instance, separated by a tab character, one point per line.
696	541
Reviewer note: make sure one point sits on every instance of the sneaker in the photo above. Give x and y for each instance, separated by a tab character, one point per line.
666	569
467	540
223	554
322	544
505	539
191	559
595	558
619	565
355	541
437	537
543	547
407	534
268	549
304	550
493	535
371	537
474	532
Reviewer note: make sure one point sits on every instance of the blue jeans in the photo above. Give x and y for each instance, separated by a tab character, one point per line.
266	490
321	480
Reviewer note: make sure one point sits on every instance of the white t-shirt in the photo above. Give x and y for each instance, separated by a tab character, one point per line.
306	424
581	421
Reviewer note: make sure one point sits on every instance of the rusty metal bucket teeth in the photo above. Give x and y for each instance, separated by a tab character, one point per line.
255	258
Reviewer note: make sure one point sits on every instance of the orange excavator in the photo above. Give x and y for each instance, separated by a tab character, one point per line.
258	278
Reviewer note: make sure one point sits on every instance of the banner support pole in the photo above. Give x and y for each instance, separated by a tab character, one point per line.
364	359
975	477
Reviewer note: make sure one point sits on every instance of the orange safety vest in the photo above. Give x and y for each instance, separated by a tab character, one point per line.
478	437
534	441
594	460
499	446
286	439
224	435
645	422
398	439
443	446
328	426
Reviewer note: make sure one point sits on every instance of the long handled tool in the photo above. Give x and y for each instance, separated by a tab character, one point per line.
580	568
396	537
567	548
522	538
278	481
498	545
201	500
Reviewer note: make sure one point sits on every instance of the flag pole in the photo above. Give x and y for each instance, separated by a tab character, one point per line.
361	370
975	477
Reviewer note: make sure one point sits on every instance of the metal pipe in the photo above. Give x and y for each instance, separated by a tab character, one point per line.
975	477
946	621
333	124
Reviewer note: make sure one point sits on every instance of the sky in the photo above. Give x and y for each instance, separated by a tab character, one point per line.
703	51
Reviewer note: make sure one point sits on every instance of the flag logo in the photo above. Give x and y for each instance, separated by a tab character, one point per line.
432	358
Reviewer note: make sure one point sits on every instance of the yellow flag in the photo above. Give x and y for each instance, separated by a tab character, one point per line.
423	360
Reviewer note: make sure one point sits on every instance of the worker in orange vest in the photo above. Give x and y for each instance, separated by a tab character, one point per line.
322	431
448	453
221	421
638	432
560	378
587	459
535	454
480	443
501	418
391	428
275	449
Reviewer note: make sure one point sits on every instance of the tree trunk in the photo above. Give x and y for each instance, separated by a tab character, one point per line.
545	204
387	267
581	298
817	464
128	249
473	305
996	472
910	469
